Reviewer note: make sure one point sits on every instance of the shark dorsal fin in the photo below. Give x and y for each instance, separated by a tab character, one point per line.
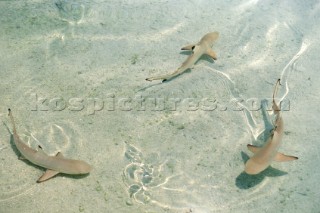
47	175
40	150
59	155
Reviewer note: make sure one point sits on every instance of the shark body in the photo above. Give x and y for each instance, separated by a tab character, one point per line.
263	156
53	164
202	47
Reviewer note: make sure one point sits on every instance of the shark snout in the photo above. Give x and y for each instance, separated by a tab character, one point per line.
213	36
83	167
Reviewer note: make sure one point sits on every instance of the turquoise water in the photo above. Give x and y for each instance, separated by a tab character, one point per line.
73	72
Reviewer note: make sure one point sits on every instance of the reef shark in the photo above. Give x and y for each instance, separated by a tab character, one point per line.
202	47
263	156
53	164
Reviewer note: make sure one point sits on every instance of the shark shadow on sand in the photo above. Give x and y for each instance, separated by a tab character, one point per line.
245	181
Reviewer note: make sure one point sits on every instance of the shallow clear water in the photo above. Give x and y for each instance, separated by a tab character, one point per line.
73	73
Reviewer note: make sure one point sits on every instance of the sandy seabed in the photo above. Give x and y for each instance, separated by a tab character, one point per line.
73	72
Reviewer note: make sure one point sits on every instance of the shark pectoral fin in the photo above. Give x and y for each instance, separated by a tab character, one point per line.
280	157
253	148
47	175
189	47
212	54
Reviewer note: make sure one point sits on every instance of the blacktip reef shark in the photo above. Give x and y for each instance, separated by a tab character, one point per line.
53	164
202	47
263	156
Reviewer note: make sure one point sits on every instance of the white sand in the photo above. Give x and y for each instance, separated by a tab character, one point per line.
157	159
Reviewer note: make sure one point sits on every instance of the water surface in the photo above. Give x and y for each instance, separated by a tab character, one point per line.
73	73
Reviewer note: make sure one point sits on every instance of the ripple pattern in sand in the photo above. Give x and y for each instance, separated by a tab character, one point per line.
71	11
147	177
